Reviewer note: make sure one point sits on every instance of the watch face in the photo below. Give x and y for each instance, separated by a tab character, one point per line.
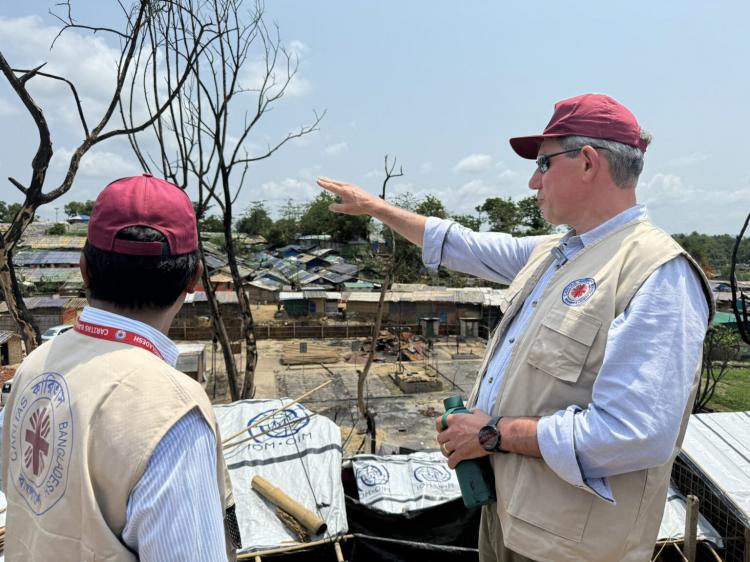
488	438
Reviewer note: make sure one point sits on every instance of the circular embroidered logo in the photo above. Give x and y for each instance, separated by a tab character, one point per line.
432	474
372	475
120	334
579	291
41	431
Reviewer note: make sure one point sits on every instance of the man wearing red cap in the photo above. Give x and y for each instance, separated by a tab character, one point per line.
585	390
109	452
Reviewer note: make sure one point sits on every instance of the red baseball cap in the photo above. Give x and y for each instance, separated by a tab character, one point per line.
143	201
588	115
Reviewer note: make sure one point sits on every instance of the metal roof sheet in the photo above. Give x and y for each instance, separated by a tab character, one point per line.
291	296
46	257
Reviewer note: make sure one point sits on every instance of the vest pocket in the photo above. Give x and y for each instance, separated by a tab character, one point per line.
563	342
544	500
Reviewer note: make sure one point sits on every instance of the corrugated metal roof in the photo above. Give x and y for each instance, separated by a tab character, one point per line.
363	296
6	336
315	294
335	278
266	284
38	302
291	296
47	257
49	274
51	242
344	268
410	287
333	296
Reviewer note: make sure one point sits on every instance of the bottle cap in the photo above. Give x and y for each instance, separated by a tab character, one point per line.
453	402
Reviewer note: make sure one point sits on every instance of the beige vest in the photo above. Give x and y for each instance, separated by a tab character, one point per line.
81	424
555	365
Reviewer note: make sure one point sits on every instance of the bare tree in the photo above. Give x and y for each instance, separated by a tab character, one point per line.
133	38
387	278
209	128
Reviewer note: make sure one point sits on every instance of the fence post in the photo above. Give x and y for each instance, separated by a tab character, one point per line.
322	335
347	328
294	329
691	528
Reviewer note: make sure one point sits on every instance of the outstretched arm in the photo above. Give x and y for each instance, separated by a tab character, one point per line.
356	201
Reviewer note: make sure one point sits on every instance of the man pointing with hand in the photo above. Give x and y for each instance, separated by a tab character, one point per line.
584	393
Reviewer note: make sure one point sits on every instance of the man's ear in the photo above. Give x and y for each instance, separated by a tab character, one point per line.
196	277
592	163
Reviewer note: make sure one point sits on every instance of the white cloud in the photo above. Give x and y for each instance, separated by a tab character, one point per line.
98	163
425	167
474	163
688	160
277	193
336	149
253	74
372	174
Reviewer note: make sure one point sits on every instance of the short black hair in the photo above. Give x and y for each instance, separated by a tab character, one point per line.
138	282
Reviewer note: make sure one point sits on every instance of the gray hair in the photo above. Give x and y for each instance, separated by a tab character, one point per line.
625	161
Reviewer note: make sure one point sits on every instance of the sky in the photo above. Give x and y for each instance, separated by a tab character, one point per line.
440	86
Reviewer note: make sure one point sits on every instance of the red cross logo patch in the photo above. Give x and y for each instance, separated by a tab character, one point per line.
579	291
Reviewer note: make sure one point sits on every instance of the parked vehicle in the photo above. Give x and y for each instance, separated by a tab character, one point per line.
55	331
6	392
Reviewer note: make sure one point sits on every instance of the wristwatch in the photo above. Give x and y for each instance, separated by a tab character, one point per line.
490	438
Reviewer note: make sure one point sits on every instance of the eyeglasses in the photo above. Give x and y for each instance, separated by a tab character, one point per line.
543	160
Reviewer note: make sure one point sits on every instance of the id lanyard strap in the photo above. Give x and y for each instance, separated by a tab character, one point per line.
115	334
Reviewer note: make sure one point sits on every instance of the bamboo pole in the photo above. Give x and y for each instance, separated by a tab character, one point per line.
266	431
271	414
292	548
309	520
339	554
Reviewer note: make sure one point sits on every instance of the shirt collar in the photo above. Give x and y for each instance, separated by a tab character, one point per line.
634	213
166	347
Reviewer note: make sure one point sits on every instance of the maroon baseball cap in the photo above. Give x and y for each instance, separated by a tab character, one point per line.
588	115
143	201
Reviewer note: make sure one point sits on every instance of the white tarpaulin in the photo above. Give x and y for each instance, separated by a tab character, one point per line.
718	445
300	453
673	522
402	483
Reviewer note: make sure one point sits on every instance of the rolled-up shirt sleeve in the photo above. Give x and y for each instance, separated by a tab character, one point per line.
493	256
642	389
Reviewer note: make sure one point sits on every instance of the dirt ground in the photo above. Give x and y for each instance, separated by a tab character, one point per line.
403	421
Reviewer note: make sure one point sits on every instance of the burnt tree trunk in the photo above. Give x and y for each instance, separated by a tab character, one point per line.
220	329
248	325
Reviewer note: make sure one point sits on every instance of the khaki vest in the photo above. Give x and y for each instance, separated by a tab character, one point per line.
81	424
555	365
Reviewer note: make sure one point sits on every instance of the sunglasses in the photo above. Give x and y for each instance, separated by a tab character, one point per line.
543	160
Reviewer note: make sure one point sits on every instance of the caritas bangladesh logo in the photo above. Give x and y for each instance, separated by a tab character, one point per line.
579	291
41	441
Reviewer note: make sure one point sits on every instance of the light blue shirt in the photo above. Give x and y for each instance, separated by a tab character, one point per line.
174	512
652	351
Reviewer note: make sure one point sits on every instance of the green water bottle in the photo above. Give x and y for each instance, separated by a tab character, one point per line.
475	476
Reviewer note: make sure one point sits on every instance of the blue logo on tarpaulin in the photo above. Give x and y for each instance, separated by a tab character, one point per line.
431	474
372	474
282	425
579	291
